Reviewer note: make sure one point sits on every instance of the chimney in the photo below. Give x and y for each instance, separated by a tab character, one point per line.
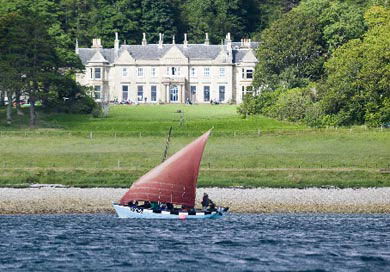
206	41
185	43
97	43
228	42
173	39
229	48
160	42
116	42
77	47
144	42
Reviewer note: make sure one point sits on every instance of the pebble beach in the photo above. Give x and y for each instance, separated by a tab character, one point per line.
46	200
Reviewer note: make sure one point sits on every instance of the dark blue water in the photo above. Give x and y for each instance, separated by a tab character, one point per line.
282	242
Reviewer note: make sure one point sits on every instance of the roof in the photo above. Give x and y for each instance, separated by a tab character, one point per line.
153	52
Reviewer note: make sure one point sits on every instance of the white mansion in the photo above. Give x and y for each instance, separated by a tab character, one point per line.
169	73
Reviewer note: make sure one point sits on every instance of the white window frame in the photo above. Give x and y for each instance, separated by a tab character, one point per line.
204	92
222	72
95	91
151	96
153	72
100	73
193	72
219	93
140	72
125	71
143	93
128	92
246	73
206	71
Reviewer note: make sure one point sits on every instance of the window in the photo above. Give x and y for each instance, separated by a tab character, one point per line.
153	93
242	91
140	72
140	93
193	90
91	73
222	72
178	71
124	72
193	72
206	93
243	73
206	72
153	71
221	93
125	93
249	73
98	73
174	94
167	71
97	92
193	93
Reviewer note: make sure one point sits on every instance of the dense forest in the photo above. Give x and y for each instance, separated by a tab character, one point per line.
325	63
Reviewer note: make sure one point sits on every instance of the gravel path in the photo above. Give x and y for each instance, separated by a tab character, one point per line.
95	200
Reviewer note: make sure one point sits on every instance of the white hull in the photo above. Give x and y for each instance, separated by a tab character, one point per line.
130	212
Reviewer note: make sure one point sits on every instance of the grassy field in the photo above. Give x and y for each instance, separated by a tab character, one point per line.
83	151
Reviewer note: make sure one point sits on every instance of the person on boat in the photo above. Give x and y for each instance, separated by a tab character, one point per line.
154	205
212	205
205	201
147	205
169	206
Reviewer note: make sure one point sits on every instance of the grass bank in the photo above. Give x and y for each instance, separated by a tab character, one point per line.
84	151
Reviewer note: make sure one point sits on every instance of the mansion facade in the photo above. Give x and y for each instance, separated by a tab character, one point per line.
169	73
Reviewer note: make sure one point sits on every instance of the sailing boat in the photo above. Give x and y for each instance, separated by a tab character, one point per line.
174	182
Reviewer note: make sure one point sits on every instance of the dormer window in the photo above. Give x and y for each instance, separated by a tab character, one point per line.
98	73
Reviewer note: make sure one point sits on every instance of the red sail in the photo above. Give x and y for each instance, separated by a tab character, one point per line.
173	181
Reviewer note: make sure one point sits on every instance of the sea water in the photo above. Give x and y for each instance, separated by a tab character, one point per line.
237	242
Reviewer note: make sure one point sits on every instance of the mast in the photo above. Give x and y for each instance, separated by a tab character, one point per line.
167	145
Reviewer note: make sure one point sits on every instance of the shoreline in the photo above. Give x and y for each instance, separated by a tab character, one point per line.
52	200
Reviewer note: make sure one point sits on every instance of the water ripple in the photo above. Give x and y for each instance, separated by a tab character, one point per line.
271	242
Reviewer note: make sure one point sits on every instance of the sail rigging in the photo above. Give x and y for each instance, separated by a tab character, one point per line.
173	181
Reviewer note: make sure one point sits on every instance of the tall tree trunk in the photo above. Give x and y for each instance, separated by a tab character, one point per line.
32	112
9	108
32	92
2	98
17	101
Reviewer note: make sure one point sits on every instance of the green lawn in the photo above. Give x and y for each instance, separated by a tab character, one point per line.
84	151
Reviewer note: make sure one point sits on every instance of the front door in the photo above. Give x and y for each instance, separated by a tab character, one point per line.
174	94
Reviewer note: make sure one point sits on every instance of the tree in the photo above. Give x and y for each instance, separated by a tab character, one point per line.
12	69
159	17
357	88
220	17
290	52
294	48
